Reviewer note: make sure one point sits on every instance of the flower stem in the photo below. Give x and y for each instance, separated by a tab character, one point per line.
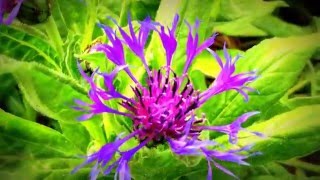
91	21
303	165
304	82
298	86
123	14
54	35
312	78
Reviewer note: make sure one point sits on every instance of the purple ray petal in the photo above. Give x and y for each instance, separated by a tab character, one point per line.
226	80
85	117
224	169
192	44
11	7
133	42
233	128
209	176
94	172
104	155
169	40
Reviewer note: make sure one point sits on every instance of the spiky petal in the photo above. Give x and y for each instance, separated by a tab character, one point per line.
233	128
169	40
136	42
193	49
227	80
98	95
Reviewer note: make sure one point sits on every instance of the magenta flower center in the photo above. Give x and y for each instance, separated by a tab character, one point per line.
161	108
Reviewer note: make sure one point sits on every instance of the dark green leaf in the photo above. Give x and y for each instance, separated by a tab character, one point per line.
25	47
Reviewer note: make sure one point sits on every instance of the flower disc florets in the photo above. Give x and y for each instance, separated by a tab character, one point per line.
162	109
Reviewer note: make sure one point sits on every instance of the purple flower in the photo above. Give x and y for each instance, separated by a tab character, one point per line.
226	80
163	110
9	10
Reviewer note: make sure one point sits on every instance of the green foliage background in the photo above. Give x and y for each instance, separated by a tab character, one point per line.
41	139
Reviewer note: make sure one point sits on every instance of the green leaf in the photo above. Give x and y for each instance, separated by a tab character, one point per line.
142	8
15	104
51	93
69	63
169	166
275	109
109	8
29	150
236	17
238	27
36	31
288	135
7	84
302	101
139	10
20	137
315	79
77	134
11	99
48	168
278	61
235	9
70	17
198	80
284	29
287	105
241	18
300	164
25	47
270	170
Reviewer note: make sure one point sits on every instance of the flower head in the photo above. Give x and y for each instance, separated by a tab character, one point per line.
9	8
163	110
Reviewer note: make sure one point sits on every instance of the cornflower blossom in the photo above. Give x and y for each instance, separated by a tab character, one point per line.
163	110
11	8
